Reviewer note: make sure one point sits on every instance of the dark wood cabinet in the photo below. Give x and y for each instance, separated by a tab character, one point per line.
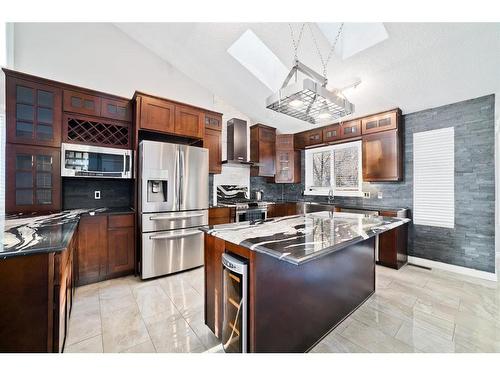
213	121
156	114
33	112
314	137
92	249
350	129
263	150
120	251
220	215
116	109
189	121
281	209
37	297
212	141
393	245
106	247
79	102
331	133
285	142
288	167
166	116
299	140
380	122
33	179
382	156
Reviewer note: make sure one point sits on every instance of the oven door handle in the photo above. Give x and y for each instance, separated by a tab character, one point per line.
173	236
163	217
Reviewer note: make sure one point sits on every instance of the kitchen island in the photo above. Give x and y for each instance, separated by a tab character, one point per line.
306	274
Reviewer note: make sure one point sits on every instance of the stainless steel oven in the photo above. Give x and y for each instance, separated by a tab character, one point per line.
94	161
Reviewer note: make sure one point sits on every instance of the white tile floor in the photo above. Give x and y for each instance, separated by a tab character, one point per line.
413	310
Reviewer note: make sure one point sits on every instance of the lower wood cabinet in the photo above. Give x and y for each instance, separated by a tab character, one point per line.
392	246
120	251
281	209
106	247
220	215
36	300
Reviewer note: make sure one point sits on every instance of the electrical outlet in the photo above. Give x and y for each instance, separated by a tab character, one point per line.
97	194
379	195
366	194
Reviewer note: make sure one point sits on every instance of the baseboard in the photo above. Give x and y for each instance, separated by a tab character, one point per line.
452	268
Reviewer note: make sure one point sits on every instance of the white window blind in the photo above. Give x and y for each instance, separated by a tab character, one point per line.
433	178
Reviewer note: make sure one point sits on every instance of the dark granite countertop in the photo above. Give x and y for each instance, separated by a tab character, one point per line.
26	234
301	238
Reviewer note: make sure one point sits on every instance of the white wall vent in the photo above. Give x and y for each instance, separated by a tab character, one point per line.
434	178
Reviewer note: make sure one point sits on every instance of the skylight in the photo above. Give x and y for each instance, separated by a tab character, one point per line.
355	37
255	56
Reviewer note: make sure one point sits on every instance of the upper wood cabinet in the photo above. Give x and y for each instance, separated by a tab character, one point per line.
331	133
33	182
189	121
350	129
213	121
284	142
156	114
33	112
165	116
314	137
263	150
79	102
116	109
380	122
288	166
299	140
212	141
382	156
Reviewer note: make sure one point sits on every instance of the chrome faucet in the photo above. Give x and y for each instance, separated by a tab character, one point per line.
330	196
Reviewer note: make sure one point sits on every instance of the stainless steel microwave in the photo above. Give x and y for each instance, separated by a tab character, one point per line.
93	161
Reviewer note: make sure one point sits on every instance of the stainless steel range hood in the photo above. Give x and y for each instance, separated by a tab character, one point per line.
237	151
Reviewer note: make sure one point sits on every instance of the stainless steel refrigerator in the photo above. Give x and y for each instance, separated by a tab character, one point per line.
173	204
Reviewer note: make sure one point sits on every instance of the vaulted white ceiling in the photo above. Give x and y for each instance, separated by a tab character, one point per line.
419	65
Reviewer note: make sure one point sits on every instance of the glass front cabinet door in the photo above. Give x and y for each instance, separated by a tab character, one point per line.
34	112
33	179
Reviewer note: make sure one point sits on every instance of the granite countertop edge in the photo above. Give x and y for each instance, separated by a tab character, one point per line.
69	232
316	255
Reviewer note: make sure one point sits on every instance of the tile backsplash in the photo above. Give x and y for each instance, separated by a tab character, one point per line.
79	192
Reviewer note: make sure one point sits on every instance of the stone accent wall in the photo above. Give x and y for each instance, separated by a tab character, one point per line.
472	242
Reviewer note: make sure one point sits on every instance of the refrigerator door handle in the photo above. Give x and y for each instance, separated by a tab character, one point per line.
173	236
181	178
163	217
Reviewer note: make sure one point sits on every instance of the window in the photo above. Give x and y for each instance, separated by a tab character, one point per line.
336	168
255	56
434	178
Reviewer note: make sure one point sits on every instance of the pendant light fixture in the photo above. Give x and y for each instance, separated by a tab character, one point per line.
309	100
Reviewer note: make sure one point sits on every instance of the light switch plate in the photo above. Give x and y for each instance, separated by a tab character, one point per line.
97	194
379	195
